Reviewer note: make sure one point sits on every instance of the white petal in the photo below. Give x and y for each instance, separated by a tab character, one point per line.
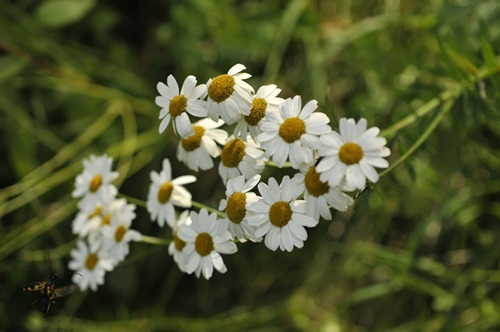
218	262
188	86
164	123
173	86
272	241
184	179
286	238
236	69
308	109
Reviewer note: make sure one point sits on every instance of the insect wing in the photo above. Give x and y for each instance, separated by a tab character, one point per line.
63	291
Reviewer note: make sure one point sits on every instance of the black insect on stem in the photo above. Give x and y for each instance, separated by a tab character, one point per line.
48	291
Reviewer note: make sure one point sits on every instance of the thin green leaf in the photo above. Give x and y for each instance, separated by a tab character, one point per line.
59	13
462	62
489	55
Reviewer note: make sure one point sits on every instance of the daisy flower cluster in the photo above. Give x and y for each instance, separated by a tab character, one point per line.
103	224
265	129
244	131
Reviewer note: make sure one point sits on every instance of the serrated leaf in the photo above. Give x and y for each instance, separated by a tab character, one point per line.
59	13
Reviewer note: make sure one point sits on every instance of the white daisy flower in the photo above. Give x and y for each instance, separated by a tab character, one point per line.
241	158
197	150
166	192
89	223
353	154
91	265
229	96
175	248
176	105
293	132
236	205
94	183
280	216
319	195
204	245
263	102
117	235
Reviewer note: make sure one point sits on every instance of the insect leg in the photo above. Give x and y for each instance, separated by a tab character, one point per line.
29	305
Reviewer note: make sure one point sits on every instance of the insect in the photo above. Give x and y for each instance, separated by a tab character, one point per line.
48	290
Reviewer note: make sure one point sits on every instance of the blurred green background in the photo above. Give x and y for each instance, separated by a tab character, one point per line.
419	252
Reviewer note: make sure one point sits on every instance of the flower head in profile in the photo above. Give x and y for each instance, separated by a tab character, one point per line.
175	248
118	234
176	105
241	158
236	205
279	216
94	183
294	132
229	96
91	264
352	155
263	102
204	245
165	192
320	196
197	150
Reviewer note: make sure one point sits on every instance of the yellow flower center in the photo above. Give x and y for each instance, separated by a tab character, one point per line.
221	88
292	129
119	233
177	106
165	192
350	153
236	209
179	244
193	142
257	112
233	153
95	183
96	212
106	220
204	244
280	214
91	261
314	185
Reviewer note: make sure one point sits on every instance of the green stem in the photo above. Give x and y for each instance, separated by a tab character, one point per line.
133	200
427	133
446	99
194	203
203	206
450	94
429	106
155	240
